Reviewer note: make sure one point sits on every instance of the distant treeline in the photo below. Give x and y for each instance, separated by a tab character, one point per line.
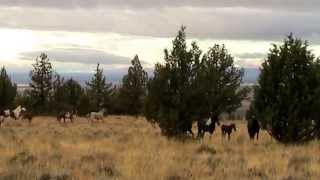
190	85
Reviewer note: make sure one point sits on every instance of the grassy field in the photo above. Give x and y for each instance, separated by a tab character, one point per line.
129	148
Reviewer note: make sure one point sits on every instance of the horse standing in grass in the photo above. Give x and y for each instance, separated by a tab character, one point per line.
27	115
253	128
66	115
207	125
227	129
96	115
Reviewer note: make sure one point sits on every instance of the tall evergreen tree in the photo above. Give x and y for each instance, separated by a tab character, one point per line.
218	83
133	90
41	77
287	96
187	87
99	90
58	93
169	91
8	90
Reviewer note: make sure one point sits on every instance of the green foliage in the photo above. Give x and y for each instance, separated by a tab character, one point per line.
41	77
99	90
218	83
287	97
169	98
133	90
186	88
8	90
67	94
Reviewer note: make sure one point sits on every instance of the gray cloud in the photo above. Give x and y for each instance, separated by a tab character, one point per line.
134	4
255	55
235	23
82	56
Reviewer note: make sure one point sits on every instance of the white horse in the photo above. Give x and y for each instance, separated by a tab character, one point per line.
17	112
96	115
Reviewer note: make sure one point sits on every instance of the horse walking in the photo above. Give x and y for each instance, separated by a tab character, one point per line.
227	129
96	115
63	116
16	113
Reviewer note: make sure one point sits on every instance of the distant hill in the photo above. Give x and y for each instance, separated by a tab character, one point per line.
115	76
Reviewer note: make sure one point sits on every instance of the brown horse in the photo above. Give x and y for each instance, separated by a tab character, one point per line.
27	115
227	129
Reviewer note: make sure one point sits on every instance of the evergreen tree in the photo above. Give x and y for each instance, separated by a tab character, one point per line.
41	77
8	90
218	83
58	93
187	87
99	90
133	90
287	97
169	91
72	93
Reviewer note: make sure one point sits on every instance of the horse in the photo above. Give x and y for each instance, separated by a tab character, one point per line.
207	125
96	115
16	113
6	113
253	128
1	119
27	115
66	115
227	129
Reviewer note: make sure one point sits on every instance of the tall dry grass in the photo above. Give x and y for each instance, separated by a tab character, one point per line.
129	148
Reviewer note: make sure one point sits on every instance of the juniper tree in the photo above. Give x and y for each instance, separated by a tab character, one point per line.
8	90
287	96
218	83
72	93
169	91
99	90
133	90
187	87
41	82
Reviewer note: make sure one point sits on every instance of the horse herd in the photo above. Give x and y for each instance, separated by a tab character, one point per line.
209	124
21	113
204	125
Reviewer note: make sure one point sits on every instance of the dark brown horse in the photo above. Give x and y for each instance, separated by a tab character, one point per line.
227	129
253	128
27	115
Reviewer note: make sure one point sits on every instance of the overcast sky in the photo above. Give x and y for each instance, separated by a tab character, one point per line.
76	34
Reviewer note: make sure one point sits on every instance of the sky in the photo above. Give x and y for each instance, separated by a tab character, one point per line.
77	34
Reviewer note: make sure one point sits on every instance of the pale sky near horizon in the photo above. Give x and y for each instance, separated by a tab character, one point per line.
76	34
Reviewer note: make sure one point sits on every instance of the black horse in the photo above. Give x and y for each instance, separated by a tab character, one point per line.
253	128
207	125
227	129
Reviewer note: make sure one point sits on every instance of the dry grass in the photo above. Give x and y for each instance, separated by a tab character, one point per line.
128	148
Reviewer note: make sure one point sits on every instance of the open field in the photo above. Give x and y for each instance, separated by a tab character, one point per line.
129	148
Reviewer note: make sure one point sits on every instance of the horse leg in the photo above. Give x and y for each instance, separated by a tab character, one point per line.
229	136
258	135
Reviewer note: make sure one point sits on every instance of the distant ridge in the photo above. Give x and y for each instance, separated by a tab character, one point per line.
250	76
